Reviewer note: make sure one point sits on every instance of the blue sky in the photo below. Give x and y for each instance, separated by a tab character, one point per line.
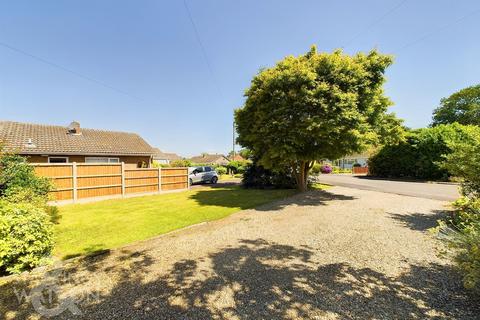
157	82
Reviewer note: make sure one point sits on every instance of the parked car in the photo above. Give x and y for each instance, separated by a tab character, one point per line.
202	175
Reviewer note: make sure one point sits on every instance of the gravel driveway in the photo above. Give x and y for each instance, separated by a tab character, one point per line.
341	254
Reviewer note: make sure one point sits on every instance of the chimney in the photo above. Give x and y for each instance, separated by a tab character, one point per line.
74	128
30	144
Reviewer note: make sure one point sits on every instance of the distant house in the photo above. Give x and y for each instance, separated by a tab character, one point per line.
347	162
58	144
237	158
218	159
161	157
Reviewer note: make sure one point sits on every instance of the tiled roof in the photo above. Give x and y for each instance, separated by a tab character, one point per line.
27	138
160	155
208	158
237	158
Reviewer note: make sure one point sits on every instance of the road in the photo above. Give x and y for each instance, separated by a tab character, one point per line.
437	191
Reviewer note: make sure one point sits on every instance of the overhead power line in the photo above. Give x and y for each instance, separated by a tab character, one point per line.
202	47
375	22
78	74
441	28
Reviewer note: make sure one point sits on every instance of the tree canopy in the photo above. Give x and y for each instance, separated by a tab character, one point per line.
462	107
316	106
421	155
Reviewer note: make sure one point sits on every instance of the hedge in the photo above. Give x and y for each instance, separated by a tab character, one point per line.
421	155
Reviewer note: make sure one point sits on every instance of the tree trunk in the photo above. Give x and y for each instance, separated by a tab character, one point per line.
301	176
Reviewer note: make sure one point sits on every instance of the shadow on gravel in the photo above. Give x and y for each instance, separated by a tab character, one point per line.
257	279
228	197
420	221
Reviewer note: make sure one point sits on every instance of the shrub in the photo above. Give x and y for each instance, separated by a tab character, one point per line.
341	170
160	165
316	168
181	163
464	162
421	154
26	237
236	166
16	175
467	211
221	170
25	224
461	233
326	169
256	176
18	195
232	166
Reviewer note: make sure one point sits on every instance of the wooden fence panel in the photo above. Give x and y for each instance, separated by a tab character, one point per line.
86	169
174	178
62	179
141	180
99	192
98	180
360	170
84	180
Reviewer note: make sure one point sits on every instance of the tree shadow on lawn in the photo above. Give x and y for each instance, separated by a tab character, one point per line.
89	251
256	279
420	221
235	197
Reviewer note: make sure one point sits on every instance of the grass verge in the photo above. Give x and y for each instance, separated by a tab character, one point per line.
88	228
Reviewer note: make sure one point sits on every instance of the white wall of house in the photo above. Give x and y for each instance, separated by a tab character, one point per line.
161	161
347	163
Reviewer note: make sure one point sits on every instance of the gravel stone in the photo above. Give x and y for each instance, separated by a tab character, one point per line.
337	254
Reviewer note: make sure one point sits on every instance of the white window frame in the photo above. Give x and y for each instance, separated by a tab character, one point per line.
66	159
102	160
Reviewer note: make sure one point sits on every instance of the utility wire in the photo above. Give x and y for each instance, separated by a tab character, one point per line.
429	34
78	74
207	62
375	22
202	47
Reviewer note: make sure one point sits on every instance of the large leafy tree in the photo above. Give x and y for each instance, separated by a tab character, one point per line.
462	107
316	106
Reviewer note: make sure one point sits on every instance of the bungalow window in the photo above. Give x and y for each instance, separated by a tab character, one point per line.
57	159
101	160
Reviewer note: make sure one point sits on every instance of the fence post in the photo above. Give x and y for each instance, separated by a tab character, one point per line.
74	181
188	179
123	179
159	179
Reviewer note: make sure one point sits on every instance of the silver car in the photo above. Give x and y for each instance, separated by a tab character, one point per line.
202	175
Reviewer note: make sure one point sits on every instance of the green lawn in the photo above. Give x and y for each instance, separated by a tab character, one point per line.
86	228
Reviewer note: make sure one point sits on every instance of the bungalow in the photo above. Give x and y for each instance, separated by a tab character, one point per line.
237	157
348	161
213	159
57	144
161	157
